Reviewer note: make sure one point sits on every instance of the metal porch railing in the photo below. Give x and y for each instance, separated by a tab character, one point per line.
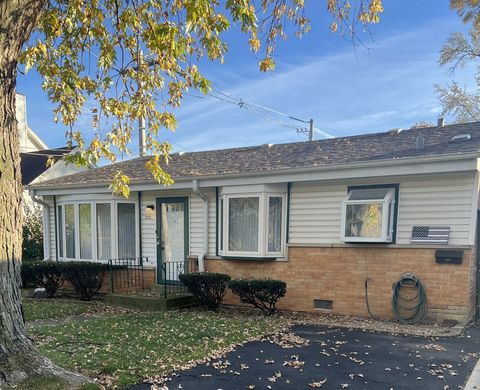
126	274
170	271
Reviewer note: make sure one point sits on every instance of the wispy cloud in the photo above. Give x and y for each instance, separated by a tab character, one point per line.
345	91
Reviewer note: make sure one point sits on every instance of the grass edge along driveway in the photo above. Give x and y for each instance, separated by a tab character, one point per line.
124	349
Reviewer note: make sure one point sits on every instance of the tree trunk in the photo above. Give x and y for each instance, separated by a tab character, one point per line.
19	358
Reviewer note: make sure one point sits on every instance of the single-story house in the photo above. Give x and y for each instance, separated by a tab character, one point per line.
323	216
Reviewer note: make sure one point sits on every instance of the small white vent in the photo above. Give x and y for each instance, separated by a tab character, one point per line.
395	131
461	137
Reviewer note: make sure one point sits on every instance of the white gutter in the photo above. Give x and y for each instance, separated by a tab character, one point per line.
201	257
38	200
45	223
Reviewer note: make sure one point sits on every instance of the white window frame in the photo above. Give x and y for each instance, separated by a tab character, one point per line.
92	234
93	210
388	208
113	225
115	232
283	238
263	211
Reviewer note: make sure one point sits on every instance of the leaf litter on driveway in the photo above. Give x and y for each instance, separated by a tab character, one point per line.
338	358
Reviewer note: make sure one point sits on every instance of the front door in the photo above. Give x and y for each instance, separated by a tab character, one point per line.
172	238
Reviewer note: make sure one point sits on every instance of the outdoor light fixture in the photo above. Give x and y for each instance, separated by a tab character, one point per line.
150	210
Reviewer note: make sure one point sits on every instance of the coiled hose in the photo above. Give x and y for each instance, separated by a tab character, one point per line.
415	306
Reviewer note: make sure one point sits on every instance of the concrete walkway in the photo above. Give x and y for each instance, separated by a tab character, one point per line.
336	358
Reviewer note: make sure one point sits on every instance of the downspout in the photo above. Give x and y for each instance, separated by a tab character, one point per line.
55	221
140	251
45	223
201	257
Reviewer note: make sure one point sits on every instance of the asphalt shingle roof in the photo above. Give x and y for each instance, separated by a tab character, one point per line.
263	159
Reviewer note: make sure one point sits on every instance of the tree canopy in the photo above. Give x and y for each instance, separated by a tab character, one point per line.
458	51
137	58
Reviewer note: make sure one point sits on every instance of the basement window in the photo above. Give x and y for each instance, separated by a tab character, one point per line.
324	304
368	214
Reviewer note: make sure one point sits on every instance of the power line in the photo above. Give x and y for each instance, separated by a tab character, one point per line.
250	107
257	109
181	146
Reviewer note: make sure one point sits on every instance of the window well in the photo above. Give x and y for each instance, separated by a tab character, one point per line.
325	304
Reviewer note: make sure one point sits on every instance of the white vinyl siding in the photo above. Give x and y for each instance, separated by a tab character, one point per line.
315	208
148	226
316	213
51	224
437	203
196	224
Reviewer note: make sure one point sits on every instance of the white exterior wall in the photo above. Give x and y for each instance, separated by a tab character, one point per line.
148	223
50	243
197	211
315	208
196	223
451	202
27	139
316	213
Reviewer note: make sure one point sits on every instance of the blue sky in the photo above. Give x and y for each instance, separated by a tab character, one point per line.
346	90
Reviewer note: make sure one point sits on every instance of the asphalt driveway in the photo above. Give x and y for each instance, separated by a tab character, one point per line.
336	358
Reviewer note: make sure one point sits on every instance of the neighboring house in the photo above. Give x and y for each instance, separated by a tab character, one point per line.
29	141
34	154
322	215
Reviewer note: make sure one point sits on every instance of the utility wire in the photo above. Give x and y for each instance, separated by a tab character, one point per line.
250	107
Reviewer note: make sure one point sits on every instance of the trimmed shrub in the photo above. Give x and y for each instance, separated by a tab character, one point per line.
261	293
28	274
209	288
85	277
48	274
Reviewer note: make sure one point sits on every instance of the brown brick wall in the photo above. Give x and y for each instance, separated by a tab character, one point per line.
339	273
119	281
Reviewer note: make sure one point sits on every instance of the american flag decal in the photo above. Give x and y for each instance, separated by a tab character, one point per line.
430	234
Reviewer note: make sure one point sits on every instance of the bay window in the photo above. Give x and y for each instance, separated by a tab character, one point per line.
97	230
126	236
60	230
252	224
243	224
85	230
275	223
104	231
368	214
70	230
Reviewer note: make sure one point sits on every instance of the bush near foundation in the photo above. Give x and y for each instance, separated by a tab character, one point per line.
209	288
47	274
261	293
85	277
28	274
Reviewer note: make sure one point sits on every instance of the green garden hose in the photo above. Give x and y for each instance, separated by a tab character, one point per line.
415	306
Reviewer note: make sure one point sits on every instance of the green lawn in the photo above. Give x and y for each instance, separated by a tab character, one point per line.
131	347
36	309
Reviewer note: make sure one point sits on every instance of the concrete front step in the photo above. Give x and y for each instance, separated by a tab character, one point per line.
152	303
